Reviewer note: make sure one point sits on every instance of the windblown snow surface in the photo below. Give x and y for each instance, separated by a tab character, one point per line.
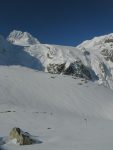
60	111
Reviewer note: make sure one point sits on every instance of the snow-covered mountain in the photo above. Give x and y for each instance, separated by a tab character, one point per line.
52	58
93	59
61	112
99	53
22	38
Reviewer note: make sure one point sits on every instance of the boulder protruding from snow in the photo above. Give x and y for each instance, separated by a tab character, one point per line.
22	138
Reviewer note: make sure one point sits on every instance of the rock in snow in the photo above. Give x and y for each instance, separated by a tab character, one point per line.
21	137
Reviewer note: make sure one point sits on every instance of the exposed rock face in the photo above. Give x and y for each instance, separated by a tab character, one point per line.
21	137
56	68
108	54
78	69
108	40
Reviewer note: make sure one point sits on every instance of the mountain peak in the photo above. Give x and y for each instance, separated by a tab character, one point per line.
97	41
22	38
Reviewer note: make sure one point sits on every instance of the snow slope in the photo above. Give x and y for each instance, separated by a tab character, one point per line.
60	111
99	51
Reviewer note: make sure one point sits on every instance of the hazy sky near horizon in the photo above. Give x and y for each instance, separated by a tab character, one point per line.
65	22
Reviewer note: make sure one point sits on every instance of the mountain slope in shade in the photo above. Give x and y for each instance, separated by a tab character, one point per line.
16	55
3	44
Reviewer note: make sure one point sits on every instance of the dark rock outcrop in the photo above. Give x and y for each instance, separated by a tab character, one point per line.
56	68
108	54
76	69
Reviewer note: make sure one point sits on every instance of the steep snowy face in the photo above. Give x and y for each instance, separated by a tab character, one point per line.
61	59
99	52
22	38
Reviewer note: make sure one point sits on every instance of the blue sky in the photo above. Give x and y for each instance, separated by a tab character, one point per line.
65	22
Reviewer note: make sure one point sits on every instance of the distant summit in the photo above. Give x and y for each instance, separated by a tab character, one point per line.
104	40
22	38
